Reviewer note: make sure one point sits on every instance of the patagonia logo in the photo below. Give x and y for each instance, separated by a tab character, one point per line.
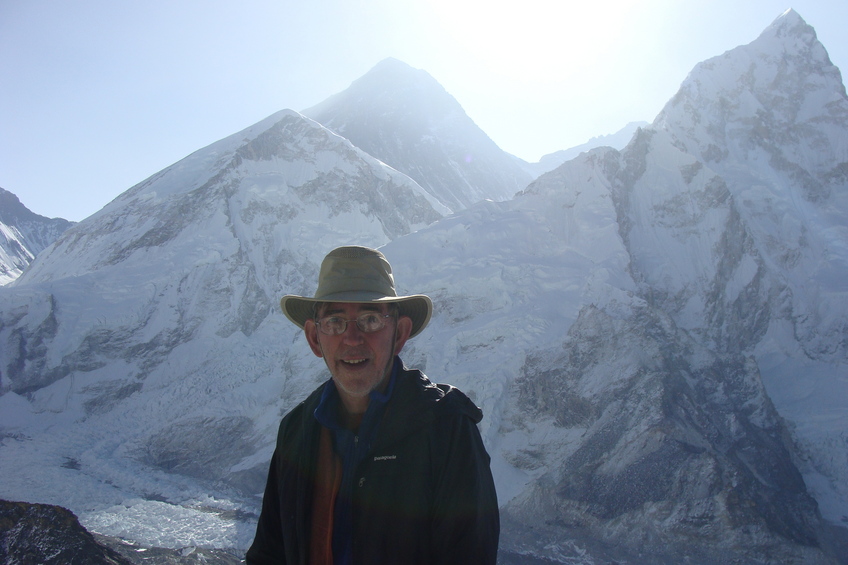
385	458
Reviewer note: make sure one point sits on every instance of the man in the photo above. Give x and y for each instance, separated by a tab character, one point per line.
378	465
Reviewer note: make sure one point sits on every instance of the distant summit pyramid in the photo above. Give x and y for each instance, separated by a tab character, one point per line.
405	118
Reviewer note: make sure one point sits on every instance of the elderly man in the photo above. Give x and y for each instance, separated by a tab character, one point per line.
378	465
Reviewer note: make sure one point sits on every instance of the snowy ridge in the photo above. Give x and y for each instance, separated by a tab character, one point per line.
206	231
260	168
617	140
656	335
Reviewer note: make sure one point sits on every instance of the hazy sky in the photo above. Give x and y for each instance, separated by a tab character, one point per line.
97	95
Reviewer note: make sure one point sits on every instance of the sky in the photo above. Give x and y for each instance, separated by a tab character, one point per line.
98	95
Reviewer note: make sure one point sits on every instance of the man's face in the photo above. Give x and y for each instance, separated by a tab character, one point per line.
359	362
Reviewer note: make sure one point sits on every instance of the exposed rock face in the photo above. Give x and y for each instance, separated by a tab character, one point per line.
45	534
681	454
770	118
23	235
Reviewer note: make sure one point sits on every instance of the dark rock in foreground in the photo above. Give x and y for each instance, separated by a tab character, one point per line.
43	534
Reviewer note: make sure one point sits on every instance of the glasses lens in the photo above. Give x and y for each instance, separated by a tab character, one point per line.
332	325
368	322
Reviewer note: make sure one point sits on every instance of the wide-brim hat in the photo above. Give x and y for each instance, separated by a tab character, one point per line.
359	275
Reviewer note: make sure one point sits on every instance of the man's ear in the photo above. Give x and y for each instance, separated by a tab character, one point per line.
310	328
404	328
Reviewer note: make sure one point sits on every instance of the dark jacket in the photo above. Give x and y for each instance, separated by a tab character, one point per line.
424	495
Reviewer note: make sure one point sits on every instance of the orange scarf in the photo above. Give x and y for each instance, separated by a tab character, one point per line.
328	478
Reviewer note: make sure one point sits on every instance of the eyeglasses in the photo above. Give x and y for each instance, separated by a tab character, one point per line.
367	322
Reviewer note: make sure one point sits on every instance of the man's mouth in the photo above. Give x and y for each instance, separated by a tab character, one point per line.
353	361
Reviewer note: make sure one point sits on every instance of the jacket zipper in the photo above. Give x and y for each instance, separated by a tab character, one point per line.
356	458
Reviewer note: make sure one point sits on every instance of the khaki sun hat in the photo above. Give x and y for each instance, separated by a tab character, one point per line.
359	275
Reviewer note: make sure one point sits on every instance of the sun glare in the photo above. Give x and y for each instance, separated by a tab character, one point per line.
530	39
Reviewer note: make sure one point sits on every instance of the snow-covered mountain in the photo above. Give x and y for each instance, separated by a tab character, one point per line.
663	333
777	134
678	322
23	235
656	335
406	119
619	431
145	345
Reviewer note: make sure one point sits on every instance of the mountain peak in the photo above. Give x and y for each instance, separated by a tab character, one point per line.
390	64
391	85
791	31
788	19
784	79
393	77
405	118
391	67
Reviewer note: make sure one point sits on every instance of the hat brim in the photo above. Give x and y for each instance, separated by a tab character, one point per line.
418	307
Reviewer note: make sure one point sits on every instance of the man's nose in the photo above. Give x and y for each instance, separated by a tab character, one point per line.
352	333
